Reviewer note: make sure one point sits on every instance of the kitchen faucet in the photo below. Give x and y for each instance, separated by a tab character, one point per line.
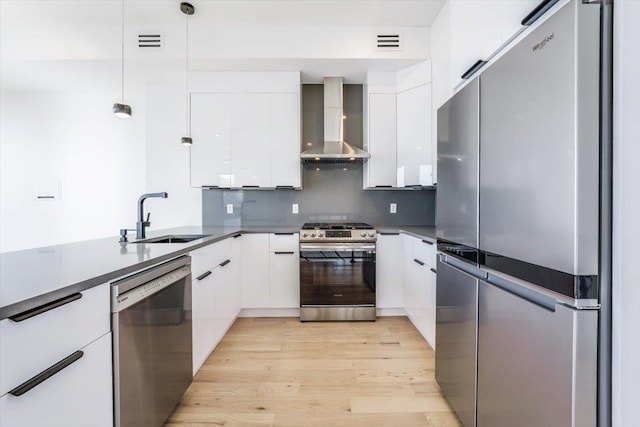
141	224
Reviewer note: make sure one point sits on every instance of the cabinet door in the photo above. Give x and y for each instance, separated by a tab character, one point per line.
382	140
284	279
225	298
430	308
79	395
389	271
476	33
203	306
251	140
255	271
236	268
210	129
512	14
414	137
285	140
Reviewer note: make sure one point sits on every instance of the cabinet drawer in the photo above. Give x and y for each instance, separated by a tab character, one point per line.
78	395
208	257
283	242
32	345
425	251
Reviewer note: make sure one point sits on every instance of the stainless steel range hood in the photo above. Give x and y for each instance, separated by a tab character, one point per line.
334	148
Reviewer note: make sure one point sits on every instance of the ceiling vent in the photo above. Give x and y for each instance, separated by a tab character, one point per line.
389	41
151	41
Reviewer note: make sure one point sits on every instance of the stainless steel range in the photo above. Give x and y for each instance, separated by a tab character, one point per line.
337	272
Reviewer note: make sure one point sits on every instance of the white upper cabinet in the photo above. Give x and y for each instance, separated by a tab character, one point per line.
513	12
397	128
466	31
379	101
414	151
285	140
246	129
251	140
211	132
476	32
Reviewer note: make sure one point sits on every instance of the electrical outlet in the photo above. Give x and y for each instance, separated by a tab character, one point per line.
294	208
393	208
230	208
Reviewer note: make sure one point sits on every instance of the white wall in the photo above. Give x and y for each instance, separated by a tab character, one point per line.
626	218
74	140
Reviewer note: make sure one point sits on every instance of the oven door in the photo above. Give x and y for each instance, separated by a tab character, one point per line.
337	274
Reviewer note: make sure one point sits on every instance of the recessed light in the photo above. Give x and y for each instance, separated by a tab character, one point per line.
317	158
309	144
352	159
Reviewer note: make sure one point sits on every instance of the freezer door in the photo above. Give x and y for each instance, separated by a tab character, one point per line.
456	326
536	367
539	146
457	195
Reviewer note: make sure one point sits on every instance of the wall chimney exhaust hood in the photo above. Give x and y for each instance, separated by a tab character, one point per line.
334	148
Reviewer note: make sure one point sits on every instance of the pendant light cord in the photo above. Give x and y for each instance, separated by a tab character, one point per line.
188	124
122	56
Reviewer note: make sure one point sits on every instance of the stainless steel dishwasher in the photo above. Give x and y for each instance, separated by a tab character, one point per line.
152	343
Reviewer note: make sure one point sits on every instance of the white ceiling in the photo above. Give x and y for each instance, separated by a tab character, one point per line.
39	34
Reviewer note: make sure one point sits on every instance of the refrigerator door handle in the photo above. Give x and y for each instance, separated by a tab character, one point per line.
529	295
464	266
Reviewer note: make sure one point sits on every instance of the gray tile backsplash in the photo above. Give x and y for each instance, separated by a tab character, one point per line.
331	192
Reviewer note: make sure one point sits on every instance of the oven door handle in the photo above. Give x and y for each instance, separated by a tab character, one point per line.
345	247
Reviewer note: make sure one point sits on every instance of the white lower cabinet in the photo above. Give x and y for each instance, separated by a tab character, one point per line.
255	270
284	279
79	395
389	271
420	285
215	301
203	306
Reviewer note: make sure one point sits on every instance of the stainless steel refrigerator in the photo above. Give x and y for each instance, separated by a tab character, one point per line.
518	219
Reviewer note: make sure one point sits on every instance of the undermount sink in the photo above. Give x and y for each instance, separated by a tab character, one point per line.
173	238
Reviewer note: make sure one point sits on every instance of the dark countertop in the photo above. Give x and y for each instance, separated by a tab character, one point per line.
33	277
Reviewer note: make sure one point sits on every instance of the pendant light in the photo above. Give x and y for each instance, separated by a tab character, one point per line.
187	9
122	110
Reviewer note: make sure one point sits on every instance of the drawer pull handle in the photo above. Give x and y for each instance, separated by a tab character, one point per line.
418	261
284	234
46	307
225	262
46	374
203	275
235	236
473	69
537	12
427	242
434	270
284	253
389	233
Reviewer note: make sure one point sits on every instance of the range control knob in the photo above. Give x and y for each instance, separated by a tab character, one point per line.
372	233
313	234
320	234
363	234
305	234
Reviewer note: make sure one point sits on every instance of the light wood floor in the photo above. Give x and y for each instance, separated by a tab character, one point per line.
280	372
